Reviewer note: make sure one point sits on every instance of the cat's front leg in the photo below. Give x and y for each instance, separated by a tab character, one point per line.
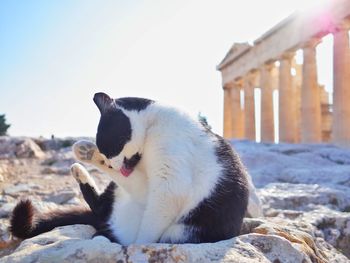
167	195
87	152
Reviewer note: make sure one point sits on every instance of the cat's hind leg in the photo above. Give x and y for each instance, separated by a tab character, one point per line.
101	204
87	185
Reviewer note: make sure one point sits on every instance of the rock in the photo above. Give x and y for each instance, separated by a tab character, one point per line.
6	209
74	201
305	183
55	144
333	226
320	206
28	149
254	208
7	246
59	162
48	170
295	163
5	170
56	170
61	197
16	189
265	241
6	199
4	233
300	196
11	147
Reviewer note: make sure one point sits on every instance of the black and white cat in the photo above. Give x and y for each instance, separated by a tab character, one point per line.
173	180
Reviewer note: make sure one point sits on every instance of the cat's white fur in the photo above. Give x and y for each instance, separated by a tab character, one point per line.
176	154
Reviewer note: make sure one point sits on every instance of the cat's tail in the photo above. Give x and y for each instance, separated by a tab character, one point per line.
26	222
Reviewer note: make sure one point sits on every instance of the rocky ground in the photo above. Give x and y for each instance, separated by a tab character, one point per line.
305	191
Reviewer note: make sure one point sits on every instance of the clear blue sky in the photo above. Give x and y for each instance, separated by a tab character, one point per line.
54	55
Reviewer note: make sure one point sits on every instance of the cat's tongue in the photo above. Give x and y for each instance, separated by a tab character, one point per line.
125	171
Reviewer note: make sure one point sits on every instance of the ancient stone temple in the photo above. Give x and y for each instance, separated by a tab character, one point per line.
304	112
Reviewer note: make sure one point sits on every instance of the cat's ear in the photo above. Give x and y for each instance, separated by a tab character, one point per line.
103	102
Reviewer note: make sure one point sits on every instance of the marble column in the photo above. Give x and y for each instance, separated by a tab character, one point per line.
310	96
341	84
237	112
287	118
297	79
228	111
267	121
249	106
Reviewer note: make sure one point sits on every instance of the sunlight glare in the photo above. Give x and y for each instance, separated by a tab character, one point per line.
308	5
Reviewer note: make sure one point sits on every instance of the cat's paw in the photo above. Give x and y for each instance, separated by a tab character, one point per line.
80	174
85	150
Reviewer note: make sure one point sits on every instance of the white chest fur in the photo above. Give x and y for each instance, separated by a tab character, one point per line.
126	218
129	206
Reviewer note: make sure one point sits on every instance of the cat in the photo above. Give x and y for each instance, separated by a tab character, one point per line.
172	179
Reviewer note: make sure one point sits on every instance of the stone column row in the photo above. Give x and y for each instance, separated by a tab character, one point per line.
299	111
288	104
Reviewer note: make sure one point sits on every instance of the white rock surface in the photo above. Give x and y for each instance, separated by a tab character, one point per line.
279	243
254	208
309	183
308	164
6	209
301	196
61	197
16	189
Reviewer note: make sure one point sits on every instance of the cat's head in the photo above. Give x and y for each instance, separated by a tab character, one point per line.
120	133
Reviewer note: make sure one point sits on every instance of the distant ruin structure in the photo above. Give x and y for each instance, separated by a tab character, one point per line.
305	114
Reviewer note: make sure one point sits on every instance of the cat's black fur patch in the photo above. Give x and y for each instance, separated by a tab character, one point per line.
106	201
21	219
113	132
220	216
25	223
48	221
101	206
133	103
133	161
90	196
